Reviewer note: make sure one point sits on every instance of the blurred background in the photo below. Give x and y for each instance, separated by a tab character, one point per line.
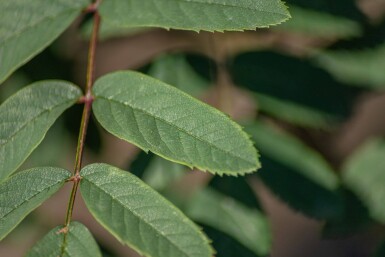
310	92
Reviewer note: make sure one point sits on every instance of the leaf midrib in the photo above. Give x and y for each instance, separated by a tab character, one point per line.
179	129
134	213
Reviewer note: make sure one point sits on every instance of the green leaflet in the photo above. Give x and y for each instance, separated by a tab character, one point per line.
209	15
26	117
138	216
24	191
27	27
291	152
292	112
318	24
248	226
79	243
364	174
168	122
359	67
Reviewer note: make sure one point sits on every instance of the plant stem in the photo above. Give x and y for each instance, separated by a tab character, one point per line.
88	98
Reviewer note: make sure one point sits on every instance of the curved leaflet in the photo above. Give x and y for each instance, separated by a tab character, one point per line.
172	124
139	216
26	190
26	117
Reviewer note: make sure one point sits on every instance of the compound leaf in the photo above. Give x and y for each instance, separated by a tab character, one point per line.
78	243
27	27
172	124
26	190
209	15
26	117
138	216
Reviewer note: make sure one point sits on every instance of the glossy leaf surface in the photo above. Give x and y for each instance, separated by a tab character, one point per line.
26	117
78	243
209	15
138	216
26	190
172	124
27	27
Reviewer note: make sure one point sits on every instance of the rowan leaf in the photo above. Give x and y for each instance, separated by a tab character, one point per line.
27	27
26	190
139	216
78	243
209	15
172	124
26	117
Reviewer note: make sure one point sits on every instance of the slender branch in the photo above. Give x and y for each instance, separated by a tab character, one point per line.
87	100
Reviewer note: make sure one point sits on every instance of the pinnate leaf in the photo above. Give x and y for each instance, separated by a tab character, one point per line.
26	117
78	243
138	216
27	27
172	124
209	15
26	190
